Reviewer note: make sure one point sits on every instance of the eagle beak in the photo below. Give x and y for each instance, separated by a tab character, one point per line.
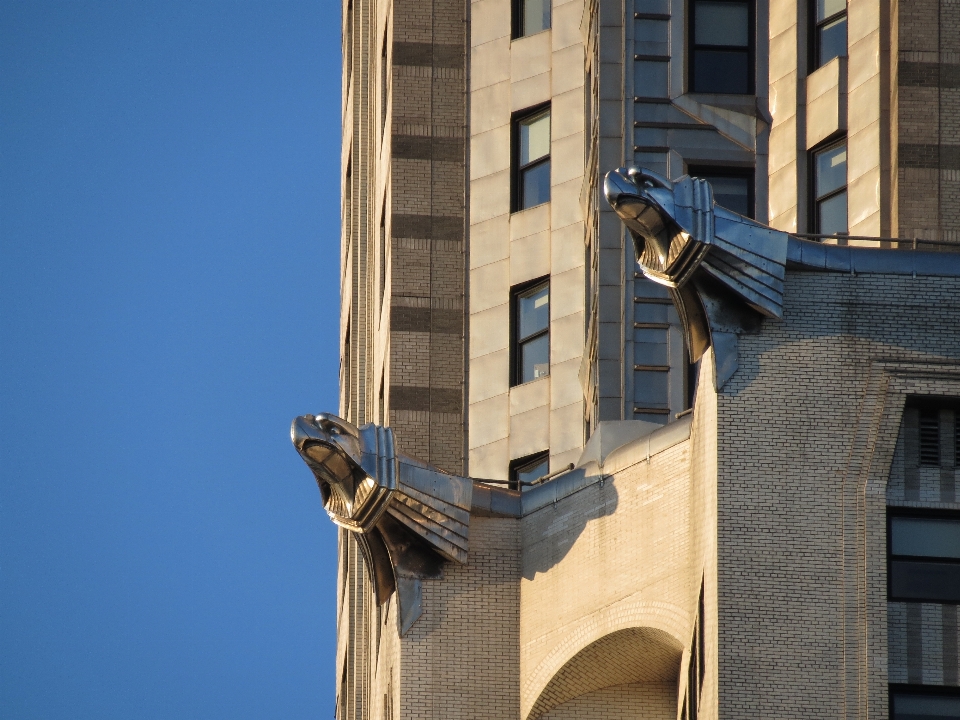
302	429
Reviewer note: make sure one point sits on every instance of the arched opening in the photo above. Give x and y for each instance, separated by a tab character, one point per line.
627	674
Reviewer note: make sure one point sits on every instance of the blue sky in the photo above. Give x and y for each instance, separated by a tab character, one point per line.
168	299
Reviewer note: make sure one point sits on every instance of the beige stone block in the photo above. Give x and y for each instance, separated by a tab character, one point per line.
565	203
490	330
864	62
490	107
783	194
490	461
490	241
489	376
566	293
568	71
489	286
530	221
863	105
783	99
565	383
566	159
783	16
566	428
826	102
530	56
563	459
786	221
530	395
530	92
566	338
489	20
783	53
529	432
490	152
863	152
489	420
566	114
529	257
869	226
863	18
863	201
567	249
489	197
783	146
490	63
566	25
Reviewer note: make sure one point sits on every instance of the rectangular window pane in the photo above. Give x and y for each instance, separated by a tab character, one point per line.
721	71
733	193
535	359
535	16
833	40
925	537
722	23
907	706
831	170
533	311
535	185
650	388
534	138
826	8
925	580
533	471
832	215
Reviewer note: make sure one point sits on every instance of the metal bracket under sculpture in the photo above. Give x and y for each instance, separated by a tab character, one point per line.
724	271
406	516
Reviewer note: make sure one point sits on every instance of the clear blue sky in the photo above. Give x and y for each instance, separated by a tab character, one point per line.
169	211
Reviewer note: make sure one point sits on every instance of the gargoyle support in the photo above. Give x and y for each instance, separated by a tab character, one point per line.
406	516
724	271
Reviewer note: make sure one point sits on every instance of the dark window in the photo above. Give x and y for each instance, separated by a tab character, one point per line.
733	189
532	160
830	189
384	82
383	253
721	56
930	437
531	330
530	17
924	703
830	31
528	469
924	553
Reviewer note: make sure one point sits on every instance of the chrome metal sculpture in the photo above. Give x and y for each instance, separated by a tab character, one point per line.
724	271
407	517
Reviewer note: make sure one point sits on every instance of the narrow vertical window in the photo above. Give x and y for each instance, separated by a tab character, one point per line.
930	437
528	469
383	253
531	17
531	328
830	189
721	56
384	82
830	31
532	175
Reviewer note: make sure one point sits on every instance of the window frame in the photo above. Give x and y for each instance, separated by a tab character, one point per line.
751	48
516	169
815	25
516	20
815	201
731	171
519	464
928	690
516	342
894	511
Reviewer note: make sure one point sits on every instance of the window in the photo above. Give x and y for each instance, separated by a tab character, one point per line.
384	81
924	556
532	160
830	32
531	331
732	188
528	469
530	17
923	703
830	189
930	437
721	55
